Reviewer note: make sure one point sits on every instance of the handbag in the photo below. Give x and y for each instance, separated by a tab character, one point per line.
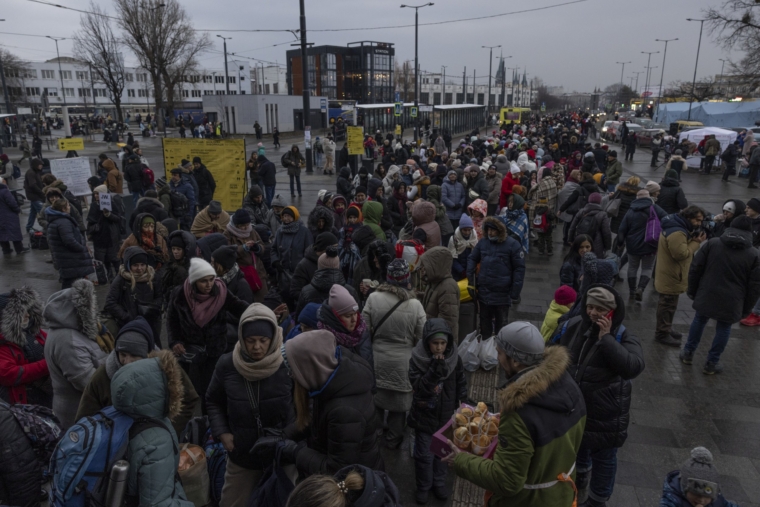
613	205
274	488
262	431
195	478
472	194
652	235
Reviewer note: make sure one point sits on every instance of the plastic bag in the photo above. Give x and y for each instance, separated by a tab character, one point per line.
487	354
468	351
193	473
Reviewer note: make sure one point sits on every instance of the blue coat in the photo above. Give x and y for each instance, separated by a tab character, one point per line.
184	187
67	245
10	227
672	496
633	228
502	267
451	194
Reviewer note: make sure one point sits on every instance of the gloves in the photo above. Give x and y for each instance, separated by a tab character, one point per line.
457	206
516	301
289	450
265	448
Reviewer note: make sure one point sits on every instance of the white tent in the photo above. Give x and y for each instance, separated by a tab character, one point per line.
725	137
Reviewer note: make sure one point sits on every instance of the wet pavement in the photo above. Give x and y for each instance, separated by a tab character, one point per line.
675	407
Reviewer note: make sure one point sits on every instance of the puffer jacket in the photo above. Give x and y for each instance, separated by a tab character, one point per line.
502	266
175	272
671	198
293	161
675	251
603	237
451	195
71	350
423	217
627	194
434	196
343	421
326	214
439	385
633	228
603	369
494	186
477	186
304	272
724	279
289	246
318	291
133	174
442	294
229	405
673	496
20	476
152	388
67	246
570	274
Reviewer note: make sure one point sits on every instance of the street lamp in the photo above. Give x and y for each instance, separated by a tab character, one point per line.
60	71
721	69
662	74
512	102
490	69
696	64
649	58
622	70
5	89
416	56
226	77
443	86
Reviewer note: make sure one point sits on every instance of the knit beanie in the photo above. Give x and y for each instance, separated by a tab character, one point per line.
353	211
215	207
329	259
138	258
517	202
361	189
601	297
652	187
199	268
698	474
324	240
450	173
311	358
754	204
101	189
465	222
742	222
595	198
565	295
292	211
308	315
177	241
521	341
241	217
643	194
398	273
258	327
255	191
671	173
226	256
133	343
148	220
341	301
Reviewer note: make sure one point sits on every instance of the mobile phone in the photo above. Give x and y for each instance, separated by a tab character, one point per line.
610	314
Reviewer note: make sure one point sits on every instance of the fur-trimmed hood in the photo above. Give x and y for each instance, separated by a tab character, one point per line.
402	294
531	385
628	189
20	301
498	225
150	387
74	308
423	213
321	212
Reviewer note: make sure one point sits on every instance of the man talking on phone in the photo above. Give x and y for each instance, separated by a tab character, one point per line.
604	357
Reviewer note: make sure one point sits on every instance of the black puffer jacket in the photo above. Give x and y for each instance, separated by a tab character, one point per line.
133	174
175	271
633	228
671	198
304	272
230	410
344	422
603	369
67	245
319	289
206	185
329	218
20	475
627	194
438	387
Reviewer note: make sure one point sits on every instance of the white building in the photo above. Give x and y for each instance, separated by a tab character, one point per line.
269	79
518	93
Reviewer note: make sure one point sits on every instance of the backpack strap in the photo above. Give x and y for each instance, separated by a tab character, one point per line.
619	335
557	337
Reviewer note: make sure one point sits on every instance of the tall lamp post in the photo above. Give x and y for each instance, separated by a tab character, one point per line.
696	64
443	85
622	70
416	56
490	69
721	69
662	73
512	102
649	58
60	71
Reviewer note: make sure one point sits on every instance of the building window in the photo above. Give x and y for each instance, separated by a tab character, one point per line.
130	93
437	98
196	93
83	92
82	75
311	64
437	81
220	92
66	74
266	89
142	78
208	79
208	92
460	98
32	91
48	74
219	79
14	91
481	98
231	79
447	98
101	92
129	77
424	97
142	93
68	92
275	88
50	92
29	73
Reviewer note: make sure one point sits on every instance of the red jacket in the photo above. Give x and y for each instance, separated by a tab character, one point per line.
16	372
509	181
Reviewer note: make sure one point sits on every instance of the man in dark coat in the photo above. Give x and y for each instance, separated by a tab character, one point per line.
133	176
632	233
67	245
206	183
306	268
724	283
729	157
10	228
267	173
671	198
20	474
179	185
33	188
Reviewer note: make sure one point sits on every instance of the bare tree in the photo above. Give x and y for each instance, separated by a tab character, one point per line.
161	35
405	80
704	89
96	45
13	68
173	76
736	25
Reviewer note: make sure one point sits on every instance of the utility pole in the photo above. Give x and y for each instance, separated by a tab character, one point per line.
721	69
490	71
474	89
226	72
649	58
60	70
696	64
621	77
443	92
306	106
464	86
662	74
416	57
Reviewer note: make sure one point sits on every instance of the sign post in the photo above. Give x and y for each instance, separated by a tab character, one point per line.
74	143
398	108
413	112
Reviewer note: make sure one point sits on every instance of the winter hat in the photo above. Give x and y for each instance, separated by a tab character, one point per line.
450	173
311	358
338	198
215	207
521	341
241	217
361	190
258	327
517	202
612	153
196	160
132	343
465	222
362	236
565	295
671	173
353	211
341	301
398	273
698	475
595	198
101	189
263	231
324	240
279	201
308	315
643	194
177	241
255	191
292	211
148	220
514	169
199	268
754	204
226	256
730	206
601	297
742	222
456	164
653	187
329	259
139	258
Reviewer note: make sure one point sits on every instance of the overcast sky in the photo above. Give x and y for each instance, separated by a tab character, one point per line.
575	46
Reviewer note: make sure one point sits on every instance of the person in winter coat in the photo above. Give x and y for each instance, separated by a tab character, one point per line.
572	267
509	181
441	297
68	247
333	398
133	343
604	357
545	190
52	194
373	213
344	185
144	235
114	178
493	180
397	200
307	267
394	175
671	198
499	281
206	182
339	314
151	205
133	175
104	229
21	478
224	262
293	161
676	162
179	184
196	322
24	376
564	299
325	277
274	217
376	193
732	209
724	283
593	221
392	344
249	249
267	173
439	386
695	483
477	188
183	248
291	241
453	197
255	205
614	170
73	349
626	192
210	219
152	388
423	217
253	372
373	265
461	246
542	420
434	197
321	219
33	189
632	234
352	486
10	227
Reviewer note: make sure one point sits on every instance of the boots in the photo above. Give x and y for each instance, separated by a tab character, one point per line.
632	286
582	482
643	281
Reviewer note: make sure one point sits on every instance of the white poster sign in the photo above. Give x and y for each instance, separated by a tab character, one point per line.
105	202
74	173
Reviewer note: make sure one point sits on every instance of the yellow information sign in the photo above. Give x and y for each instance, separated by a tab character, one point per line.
224	158
75	143
398	130
355	140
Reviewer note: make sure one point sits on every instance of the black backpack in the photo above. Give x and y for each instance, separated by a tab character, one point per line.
588	225
179	204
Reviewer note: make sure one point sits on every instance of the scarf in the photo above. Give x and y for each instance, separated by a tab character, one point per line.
401	199
237	232
205	307
146	277
461	244
291	228
258	370
232	273
112	364
329	321
147	241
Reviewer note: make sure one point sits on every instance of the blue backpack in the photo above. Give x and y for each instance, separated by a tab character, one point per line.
82	462
557	337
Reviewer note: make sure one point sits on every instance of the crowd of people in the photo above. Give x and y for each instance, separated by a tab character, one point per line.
311	341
